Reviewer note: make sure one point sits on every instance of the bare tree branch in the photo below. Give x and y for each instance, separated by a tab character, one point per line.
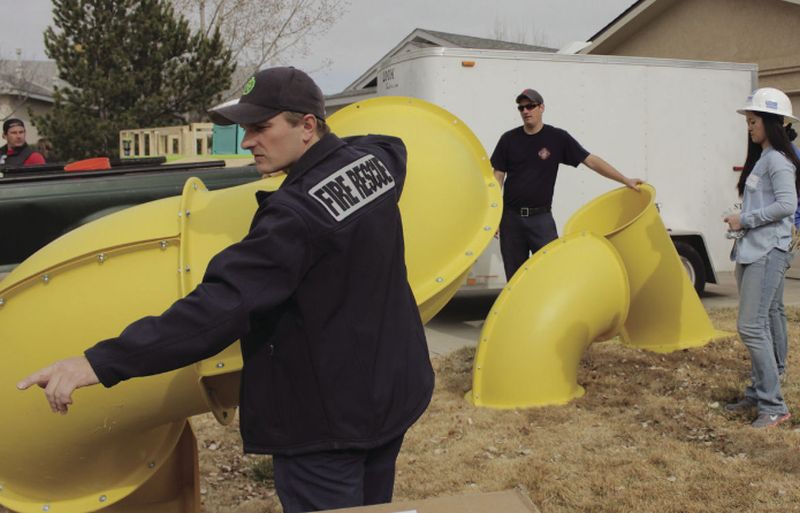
521	32
260	32
16	81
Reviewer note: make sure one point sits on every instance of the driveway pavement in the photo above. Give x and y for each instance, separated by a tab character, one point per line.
459	323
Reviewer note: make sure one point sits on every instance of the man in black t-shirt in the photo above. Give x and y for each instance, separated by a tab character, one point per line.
525	163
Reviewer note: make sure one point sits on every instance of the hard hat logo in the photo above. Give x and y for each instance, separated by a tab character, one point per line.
770	101
249	85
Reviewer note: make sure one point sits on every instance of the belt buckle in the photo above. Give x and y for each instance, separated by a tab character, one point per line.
524	212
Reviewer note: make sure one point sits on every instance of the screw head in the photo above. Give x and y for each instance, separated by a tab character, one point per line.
469	253
2	302
494	205
487	228
439	279
152	464
46	278
188	213
46	507
101	258
163	244
194	186
188	268
220	365
103	498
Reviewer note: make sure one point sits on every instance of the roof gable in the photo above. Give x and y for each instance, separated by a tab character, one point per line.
421	38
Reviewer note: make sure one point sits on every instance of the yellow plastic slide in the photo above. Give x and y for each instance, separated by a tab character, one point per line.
615	272
569	293
666	314
130	448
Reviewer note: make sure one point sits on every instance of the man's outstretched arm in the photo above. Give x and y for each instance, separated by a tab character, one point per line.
605	169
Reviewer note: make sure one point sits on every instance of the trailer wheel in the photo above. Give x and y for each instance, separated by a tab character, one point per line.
693	263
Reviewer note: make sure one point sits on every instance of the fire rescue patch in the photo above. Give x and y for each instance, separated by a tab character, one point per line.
544	154
353	187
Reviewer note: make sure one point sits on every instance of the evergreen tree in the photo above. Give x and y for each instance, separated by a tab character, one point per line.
128	64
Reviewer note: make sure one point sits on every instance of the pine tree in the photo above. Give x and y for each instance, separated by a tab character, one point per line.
128	64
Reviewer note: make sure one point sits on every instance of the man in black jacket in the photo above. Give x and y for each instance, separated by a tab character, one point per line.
336	365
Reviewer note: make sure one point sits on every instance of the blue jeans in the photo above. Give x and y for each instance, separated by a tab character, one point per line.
778	330
759	284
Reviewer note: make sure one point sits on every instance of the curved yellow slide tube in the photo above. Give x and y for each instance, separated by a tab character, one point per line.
130	448
565	296
615	271
666	314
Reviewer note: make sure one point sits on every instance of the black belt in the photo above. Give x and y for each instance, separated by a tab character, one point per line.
529	211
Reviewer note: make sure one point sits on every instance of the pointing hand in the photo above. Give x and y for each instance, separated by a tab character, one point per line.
60	379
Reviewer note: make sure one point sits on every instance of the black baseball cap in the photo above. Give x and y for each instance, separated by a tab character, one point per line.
532	95
11	122
268	93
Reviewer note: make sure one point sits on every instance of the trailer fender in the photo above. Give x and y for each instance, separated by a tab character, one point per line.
692	248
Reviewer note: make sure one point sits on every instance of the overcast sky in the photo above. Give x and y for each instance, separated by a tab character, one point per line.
371	28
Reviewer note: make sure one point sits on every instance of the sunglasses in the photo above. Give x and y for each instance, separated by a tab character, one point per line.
527	106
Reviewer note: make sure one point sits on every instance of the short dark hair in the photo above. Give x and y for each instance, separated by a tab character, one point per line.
294	119
12	122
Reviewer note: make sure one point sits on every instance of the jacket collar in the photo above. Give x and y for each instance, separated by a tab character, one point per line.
10	150
316	153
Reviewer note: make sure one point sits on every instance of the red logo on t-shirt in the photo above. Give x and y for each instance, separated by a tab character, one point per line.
544	154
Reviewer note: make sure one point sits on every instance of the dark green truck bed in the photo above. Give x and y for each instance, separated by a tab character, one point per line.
36	207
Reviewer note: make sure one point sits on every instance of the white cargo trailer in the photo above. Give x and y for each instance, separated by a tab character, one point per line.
670	122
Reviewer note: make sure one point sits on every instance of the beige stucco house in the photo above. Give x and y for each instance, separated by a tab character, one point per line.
765	32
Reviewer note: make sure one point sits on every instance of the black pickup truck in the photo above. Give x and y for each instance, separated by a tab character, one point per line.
38	205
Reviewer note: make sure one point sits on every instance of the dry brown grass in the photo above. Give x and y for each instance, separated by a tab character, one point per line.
650	435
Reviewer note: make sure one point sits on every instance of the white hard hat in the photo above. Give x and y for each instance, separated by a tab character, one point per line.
771	101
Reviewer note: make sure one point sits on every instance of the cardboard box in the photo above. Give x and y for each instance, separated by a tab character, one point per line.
510	501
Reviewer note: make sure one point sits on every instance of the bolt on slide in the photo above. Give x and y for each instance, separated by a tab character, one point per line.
130	448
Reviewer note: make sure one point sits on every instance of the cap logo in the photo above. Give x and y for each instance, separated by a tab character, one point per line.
772	105
249	85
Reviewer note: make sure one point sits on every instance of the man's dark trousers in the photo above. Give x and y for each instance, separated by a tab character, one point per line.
336	479
521	235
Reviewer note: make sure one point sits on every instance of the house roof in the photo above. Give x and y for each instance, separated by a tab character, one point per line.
462	41
34	79
638	13
422	38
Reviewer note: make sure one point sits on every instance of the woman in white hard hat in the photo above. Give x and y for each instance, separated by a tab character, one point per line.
768	186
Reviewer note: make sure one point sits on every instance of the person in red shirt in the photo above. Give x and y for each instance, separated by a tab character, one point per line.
16	152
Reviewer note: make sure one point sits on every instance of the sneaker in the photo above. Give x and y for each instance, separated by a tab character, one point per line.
769	420
744	404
